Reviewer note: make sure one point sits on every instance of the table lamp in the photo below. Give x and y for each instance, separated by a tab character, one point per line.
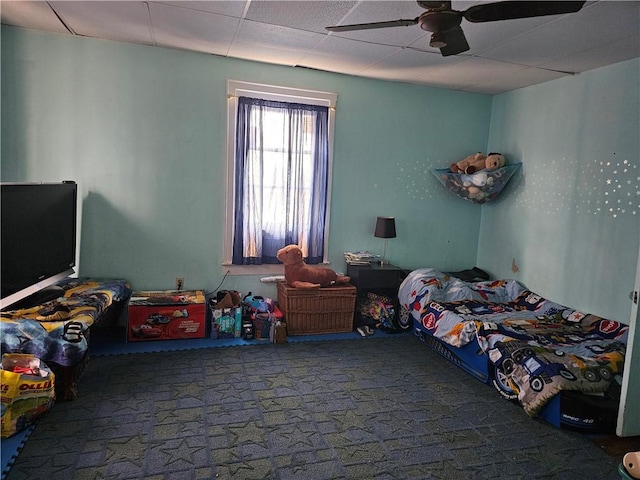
385	228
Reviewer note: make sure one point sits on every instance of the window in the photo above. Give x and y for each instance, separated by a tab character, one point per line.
279	172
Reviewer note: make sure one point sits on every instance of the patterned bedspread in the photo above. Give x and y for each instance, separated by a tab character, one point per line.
538	347
56	331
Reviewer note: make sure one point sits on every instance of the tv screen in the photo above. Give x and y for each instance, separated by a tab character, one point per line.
38	230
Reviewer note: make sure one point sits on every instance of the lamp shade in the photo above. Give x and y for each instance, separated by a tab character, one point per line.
385	227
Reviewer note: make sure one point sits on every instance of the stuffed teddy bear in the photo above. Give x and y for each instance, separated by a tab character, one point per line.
494	160
299	275
478	161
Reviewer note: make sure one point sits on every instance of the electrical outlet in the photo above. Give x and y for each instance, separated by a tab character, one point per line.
179	283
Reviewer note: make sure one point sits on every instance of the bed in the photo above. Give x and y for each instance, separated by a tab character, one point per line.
58	331
560	364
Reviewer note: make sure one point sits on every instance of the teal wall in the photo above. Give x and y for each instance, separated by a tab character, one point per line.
142	130
571	218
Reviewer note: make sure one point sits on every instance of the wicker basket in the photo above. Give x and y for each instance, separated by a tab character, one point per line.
319	310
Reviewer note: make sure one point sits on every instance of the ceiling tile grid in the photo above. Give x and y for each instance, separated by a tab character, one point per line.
120	21
195	30
503	55
31	14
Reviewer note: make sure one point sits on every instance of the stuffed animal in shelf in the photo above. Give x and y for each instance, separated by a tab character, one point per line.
478	161
470	164
494	160
300	275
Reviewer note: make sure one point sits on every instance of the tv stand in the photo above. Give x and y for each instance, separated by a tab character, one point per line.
69	312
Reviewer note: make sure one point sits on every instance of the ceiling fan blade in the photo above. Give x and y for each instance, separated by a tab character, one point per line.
367	26
491	12
456	42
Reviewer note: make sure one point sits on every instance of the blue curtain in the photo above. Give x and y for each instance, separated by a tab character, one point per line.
281	177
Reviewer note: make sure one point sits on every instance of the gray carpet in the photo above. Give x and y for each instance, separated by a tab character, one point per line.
372	408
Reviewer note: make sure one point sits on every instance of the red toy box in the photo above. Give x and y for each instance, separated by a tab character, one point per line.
166	315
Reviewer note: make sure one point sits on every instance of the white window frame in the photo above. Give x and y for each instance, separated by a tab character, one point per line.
235	89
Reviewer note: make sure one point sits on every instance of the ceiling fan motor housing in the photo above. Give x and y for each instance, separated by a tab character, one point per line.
440	21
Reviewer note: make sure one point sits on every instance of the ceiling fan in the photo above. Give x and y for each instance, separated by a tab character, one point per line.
444	23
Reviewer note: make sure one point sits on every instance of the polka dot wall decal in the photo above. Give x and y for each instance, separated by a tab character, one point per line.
597	187
546	186
617	184
417	181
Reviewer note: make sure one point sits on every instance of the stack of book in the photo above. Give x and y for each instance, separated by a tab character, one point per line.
360	258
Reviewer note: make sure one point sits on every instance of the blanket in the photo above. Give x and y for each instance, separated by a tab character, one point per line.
538	347
57	331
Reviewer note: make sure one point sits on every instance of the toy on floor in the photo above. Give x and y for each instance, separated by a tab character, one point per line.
631	463
300	275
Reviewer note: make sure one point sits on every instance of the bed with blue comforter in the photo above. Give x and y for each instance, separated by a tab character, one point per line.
57	331
557	362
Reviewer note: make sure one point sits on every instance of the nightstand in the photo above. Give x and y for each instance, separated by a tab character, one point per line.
376	278
381	279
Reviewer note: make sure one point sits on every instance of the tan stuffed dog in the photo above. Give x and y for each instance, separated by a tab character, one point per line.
300	275
478	161
470	164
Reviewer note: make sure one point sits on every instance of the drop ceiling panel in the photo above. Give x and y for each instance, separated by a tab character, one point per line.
516	79
608	20
192	30
346	56
367	12
406	65
228	8
272	43
481	36
614	52
293	33
593	26
382	11
470	72
35	15
312	16
122	21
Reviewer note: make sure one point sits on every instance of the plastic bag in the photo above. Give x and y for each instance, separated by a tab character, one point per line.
28	391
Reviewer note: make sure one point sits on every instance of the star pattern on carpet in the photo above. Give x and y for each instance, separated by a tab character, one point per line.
124	406
246	432
286	416
279	381
397	427
350	419
50	466
131	448
192	428
361	453
300	416
167	416
183	390
313	386
230	393
180	451
298	436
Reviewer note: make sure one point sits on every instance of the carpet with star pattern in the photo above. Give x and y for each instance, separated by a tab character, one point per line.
365	408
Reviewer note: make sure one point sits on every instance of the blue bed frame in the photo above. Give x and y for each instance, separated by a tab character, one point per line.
571	410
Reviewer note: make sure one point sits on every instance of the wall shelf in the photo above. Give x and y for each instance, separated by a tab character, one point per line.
480	187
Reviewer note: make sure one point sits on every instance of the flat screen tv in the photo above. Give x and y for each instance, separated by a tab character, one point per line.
38	231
